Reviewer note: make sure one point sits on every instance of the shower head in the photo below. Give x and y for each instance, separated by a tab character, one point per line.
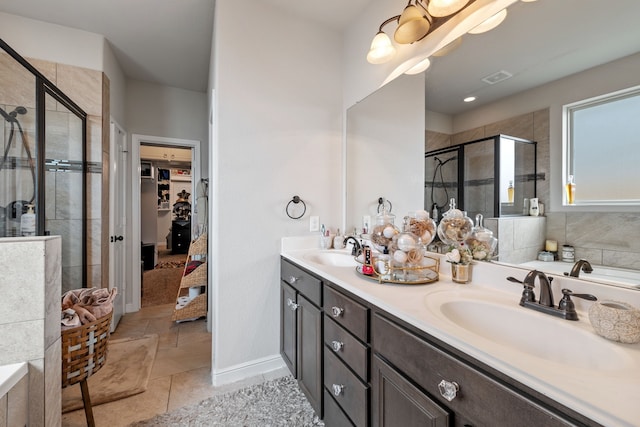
11	117
18	110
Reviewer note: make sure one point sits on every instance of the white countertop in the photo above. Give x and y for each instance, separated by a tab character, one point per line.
610	396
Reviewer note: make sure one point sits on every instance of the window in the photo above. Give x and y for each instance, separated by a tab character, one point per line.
601	149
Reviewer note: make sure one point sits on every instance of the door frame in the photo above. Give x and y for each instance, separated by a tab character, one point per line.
134	300
117	166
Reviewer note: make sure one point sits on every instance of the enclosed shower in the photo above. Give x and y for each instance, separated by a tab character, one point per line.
43	163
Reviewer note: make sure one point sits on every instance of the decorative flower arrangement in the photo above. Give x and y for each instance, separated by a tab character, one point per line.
459	254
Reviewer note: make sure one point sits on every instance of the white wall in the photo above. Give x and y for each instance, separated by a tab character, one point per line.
385	151
278	134
168	112
55	43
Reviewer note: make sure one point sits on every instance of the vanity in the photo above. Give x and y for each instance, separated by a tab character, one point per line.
447	354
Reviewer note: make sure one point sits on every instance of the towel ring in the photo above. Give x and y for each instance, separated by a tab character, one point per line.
295	201
381	203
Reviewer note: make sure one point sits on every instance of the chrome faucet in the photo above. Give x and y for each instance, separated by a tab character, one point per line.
356	248
566	308
581	264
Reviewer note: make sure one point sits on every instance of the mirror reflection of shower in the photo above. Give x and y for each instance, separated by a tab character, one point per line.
17	169
441	172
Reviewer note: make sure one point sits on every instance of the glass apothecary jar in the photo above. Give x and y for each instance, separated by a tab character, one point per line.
455	226
481	242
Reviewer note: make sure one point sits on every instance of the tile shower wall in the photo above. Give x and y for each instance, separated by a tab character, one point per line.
90	90
30	319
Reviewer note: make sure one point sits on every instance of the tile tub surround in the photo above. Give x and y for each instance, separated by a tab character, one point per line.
30	319
593	394
611	239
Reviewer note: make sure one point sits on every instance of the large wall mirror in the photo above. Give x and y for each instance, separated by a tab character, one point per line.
538	60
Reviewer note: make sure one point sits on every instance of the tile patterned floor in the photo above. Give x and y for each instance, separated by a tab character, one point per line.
181	373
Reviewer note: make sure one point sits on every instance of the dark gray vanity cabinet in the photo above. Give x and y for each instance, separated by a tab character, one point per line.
346	359
409	372
301	329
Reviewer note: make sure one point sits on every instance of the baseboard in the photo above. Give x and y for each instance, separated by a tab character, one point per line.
246	370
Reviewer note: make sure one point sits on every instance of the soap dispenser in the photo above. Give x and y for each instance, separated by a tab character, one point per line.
28	222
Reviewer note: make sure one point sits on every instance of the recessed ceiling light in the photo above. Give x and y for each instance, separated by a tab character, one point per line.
469	99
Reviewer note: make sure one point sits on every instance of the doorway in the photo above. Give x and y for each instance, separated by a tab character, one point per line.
162	201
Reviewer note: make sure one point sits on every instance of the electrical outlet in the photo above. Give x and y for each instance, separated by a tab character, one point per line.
314	223
366	223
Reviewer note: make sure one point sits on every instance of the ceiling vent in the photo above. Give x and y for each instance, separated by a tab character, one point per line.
497	77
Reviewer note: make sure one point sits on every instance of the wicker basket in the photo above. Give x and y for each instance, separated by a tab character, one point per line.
199	246
198	277
84	350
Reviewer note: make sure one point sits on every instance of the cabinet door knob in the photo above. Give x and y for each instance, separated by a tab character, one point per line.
337	311
293	279
338	389
337	345
448	389
292	305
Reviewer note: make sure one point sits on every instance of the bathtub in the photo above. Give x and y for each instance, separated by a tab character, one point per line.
10	375
602	274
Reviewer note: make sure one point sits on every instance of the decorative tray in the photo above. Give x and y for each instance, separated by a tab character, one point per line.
404	275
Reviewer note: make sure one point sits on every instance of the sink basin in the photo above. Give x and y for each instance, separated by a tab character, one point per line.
332	258
497	319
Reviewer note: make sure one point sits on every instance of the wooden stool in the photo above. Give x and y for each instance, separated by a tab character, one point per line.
84	352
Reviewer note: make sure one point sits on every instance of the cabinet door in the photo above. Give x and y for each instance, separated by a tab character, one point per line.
310	352
397	402
288	326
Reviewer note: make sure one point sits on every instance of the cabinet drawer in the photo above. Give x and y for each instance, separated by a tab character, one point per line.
305	283
427	366
347	347
351	394
333	415
348	313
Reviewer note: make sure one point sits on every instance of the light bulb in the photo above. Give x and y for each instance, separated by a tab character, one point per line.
490	23
439	8
381	50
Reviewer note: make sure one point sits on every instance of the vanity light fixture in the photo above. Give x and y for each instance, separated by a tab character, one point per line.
419	18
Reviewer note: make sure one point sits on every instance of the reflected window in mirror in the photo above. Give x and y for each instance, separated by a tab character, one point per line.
605	127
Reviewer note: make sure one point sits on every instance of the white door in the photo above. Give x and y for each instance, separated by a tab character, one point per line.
118	219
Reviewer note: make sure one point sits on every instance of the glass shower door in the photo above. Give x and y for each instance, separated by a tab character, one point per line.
64	186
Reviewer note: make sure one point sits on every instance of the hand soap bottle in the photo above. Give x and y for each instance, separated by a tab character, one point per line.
28	222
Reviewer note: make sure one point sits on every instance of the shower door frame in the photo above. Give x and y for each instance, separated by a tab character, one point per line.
43	87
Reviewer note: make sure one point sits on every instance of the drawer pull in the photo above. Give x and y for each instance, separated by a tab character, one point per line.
337	311
292	305
448	389
338	389
293	279
337	345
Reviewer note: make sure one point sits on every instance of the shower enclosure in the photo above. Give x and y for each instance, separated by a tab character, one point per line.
43	163
492	176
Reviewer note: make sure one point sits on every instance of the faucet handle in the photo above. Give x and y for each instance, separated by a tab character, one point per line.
527	294
567	305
